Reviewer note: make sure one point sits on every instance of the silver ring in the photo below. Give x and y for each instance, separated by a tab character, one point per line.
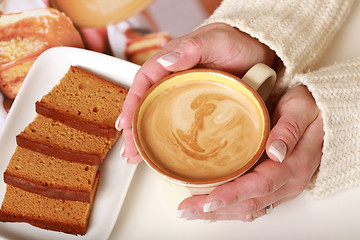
268	209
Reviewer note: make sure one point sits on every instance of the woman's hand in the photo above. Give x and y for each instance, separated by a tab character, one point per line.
217	46
296	140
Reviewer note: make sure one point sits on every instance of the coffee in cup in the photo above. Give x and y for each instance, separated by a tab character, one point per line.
201	127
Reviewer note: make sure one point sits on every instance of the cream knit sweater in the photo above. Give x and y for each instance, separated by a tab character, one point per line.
299	31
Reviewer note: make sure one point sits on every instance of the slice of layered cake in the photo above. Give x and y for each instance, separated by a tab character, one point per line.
84	101
54	138
48	213
49	176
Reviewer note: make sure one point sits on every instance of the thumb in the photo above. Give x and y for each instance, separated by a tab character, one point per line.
295	111
190	51
216	46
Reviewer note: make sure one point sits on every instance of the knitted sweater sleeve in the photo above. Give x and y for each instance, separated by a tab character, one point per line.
299	32
336	90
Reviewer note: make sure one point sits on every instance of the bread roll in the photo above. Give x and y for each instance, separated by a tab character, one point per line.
24	36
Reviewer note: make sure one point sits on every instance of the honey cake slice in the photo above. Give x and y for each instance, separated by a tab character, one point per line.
47	213
52	137
84	101
49	176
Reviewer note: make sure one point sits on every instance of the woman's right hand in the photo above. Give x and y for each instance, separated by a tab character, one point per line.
216	46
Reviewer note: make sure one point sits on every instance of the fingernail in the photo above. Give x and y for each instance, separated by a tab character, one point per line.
188	213
278	149
117	123
122	149
169	59
212	206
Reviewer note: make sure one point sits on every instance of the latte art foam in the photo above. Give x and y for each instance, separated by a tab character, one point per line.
201	130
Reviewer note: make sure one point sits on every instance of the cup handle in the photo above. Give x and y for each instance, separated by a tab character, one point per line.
261	78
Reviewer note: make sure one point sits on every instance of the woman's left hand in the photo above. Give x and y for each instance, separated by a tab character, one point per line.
294	147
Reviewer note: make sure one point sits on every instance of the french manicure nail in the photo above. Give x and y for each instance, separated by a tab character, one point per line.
122	149
169	59
117	123
188	213
278	149
212	206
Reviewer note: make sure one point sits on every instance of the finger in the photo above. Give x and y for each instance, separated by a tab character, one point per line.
150	73
222	47
135	159
124	120
199	50
262	212
186	52
266	178
252	217
306	156
304	161
252	208
141	84
191	208
245	210
130	147
294	112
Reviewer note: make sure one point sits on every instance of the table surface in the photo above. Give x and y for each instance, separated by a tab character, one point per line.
149	210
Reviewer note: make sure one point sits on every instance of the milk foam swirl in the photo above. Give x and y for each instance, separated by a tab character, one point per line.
201	130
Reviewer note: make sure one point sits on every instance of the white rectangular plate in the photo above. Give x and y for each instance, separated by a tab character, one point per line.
115	173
